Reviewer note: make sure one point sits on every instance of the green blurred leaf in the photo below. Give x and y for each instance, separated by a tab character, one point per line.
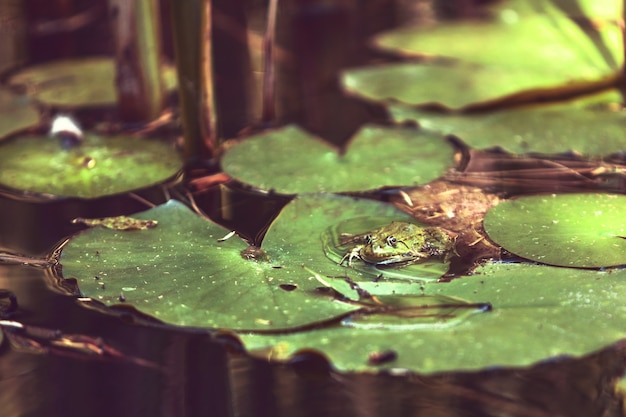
301	163
554	129
578	230
88	82
15	113
524	47
100	166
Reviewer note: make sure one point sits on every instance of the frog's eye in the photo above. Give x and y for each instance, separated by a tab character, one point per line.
368	239
391	241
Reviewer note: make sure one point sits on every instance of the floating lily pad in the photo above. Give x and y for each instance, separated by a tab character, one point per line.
100	166
590	132
15	113
77	82
539	312
543	42
183	273
489	60
578	230
301	163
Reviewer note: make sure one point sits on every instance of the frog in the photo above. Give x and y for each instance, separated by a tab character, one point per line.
400	243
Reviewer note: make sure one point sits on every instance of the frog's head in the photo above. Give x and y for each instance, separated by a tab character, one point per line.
397	242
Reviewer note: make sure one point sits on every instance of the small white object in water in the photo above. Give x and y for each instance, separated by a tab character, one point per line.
67	130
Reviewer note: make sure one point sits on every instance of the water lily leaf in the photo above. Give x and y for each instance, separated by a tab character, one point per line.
543	41
589	131
492	59
118	223
538	312
302	163
16	113
577	230
100	166
182	271
453	86
87	82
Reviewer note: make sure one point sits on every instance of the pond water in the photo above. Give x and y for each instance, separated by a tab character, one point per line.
63	355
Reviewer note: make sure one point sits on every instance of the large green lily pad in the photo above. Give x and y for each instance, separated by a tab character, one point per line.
100	166
539	312
15	113
577	230
589	131
546	41
74	83
538	47
291	161
180	272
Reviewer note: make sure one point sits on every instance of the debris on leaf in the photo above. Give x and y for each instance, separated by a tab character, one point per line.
118	223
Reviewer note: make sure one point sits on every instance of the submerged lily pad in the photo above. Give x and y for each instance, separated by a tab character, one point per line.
100	166
76	82
546	130
301	163
578	230
15	113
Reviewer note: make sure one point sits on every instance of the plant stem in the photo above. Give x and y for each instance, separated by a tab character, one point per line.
140	92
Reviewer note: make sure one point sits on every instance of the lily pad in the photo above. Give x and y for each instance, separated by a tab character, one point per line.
588	131
100	166
539	312
301	163
482	61
543	42
15	113
87	82
578	230
183	273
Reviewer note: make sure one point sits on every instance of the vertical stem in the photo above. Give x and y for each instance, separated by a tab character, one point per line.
622	85
13	40
208	117
140	93
188	21
269	110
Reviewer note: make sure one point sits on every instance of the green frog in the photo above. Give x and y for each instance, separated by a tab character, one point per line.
400	243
